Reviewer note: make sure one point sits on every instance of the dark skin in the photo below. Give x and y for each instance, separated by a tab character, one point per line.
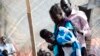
56	14
47	35
66	8
2	40
57	19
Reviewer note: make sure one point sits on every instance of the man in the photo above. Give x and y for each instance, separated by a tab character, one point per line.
80	23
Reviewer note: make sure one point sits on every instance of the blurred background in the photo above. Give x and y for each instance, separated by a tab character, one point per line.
14	22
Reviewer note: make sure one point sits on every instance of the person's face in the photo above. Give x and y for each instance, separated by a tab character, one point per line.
50	34
57	18
66	8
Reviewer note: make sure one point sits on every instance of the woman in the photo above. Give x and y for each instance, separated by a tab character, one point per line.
59	20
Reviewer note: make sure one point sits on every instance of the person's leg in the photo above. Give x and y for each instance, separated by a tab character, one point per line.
83	51
61	52
57	50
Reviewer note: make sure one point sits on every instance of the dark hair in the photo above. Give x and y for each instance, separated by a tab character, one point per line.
44	33
63	2
43	53
2	39
55	9
5	52
66	7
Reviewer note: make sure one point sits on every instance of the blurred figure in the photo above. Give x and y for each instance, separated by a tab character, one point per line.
43	53
49	38
1	53
6	48
5	52
47	35
57	17
62	40
93	4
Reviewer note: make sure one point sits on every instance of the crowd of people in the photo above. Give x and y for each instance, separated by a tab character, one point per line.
70	32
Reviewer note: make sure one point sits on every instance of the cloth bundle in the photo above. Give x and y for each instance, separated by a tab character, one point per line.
65	35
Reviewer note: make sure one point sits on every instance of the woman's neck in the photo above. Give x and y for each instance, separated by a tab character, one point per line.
60	22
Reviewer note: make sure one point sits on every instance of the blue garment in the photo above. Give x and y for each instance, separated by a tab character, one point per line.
66	36
55	50
56	46
1	53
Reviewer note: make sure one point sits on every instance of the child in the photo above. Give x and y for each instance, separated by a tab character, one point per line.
49	37
62	40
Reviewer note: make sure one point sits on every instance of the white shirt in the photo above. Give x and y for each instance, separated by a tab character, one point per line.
9	47
86	29
78	13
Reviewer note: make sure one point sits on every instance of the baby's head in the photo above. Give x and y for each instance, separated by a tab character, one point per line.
47	35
